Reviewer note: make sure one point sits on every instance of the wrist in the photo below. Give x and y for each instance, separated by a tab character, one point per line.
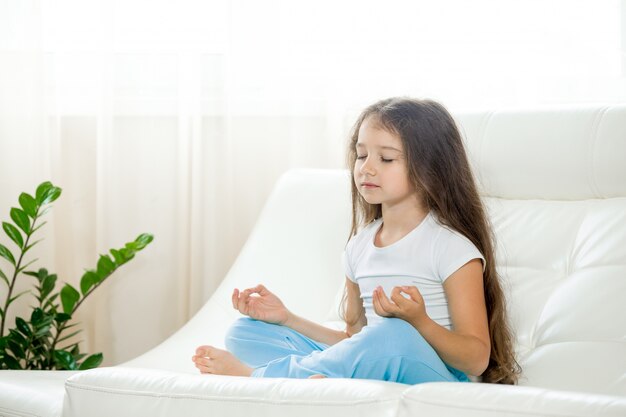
422	324
291	319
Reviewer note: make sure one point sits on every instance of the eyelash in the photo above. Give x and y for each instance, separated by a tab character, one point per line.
382	159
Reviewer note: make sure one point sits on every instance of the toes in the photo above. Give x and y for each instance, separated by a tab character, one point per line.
203	361
203	350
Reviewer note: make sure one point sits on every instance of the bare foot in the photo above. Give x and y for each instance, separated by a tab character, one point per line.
317	376
211	360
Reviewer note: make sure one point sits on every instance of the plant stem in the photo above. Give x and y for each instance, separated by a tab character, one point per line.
17	268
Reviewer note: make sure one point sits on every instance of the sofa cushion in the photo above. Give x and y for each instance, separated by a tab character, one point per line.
136	392
562	268
32	393
444	399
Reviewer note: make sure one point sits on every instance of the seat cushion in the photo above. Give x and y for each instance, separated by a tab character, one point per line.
32	393
443	399
136	392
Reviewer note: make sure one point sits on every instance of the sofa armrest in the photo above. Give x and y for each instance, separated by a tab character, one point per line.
119	391
443	399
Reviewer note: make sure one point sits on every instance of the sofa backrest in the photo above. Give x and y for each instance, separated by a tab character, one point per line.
554	184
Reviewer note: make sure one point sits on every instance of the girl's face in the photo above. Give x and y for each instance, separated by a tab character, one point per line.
380	172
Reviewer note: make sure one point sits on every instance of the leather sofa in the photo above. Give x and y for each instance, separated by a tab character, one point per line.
554	183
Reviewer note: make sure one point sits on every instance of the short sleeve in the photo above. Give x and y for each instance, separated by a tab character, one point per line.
452	251
347	267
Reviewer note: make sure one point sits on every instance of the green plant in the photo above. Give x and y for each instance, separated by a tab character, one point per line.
34	342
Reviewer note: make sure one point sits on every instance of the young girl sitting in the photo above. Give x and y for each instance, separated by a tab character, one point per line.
422	301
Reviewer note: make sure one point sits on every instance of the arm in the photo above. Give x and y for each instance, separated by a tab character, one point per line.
467	347
315	331
355	315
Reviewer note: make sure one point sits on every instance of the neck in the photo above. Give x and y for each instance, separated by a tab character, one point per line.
400	218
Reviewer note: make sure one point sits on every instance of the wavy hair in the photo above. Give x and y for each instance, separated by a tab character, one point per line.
439	170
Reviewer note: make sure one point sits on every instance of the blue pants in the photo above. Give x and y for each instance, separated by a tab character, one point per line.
389	350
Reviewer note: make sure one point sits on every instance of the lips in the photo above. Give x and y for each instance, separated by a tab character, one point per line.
368	185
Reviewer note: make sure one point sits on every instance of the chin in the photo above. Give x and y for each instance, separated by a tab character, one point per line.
370	200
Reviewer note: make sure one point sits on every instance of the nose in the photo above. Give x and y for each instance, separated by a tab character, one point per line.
367	168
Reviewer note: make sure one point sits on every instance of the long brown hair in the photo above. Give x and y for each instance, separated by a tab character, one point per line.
439	170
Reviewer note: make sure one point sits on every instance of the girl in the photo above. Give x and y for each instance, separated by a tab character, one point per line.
422	301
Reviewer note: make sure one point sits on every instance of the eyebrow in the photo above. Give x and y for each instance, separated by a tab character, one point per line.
360	145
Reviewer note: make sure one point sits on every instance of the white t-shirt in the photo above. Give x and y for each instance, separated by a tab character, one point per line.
424	258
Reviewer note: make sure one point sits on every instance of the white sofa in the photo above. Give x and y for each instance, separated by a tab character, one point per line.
554	182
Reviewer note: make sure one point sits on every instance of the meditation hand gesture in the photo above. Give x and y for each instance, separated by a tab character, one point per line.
411	310
266	306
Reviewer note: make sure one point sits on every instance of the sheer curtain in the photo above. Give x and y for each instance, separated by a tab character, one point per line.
177	118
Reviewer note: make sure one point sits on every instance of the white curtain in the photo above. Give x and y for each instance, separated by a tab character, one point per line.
176	118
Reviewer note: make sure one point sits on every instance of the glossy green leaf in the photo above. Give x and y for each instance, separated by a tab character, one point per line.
47	193
88	280
91	362
6	254
11	362
131	246
52	195
42	331
13	233
17	338
64	360
28	203
22	326
62	318
105	267
48	285
118	257
143	240
42	191
69	297
20	218
16	348
127	254
36	317
42	273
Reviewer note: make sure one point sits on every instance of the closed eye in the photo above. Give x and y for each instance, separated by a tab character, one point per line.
381	158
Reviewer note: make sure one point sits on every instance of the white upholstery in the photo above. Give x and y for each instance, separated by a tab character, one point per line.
32	393
554	184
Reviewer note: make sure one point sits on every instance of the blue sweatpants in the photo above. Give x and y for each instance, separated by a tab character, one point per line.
389	350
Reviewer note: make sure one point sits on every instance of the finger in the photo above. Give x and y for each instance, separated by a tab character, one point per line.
375	303
261	290
243	301
397	297
378	308
414	293
387	304
235	298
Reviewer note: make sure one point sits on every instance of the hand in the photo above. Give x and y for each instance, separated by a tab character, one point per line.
411	310
266	306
